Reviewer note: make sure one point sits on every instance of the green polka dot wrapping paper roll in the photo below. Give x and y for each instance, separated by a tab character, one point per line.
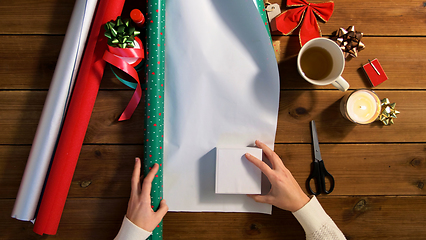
260	5
154	100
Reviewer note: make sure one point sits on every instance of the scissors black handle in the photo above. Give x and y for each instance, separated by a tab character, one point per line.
319	174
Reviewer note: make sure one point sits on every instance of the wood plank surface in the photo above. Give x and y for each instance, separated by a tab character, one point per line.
359	169
102	170
298	108
380	17
44	17
402	18
401	59
20	112
30	64
35	17
86	218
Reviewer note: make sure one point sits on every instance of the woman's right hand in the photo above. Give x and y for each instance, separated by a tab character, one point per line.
285	192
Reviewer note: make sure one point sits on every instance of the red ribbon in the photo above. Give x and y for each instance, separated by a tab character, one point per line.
113	56
304	15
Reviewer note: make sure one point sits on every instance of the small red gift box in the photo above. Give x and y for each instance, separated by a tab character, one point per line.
375	72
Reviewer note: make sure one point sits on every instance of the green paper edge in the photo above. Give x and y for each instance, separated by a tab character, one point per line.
260	5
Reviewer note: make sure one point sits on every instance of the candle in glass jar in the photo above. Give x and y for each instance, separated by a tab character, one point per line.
361	106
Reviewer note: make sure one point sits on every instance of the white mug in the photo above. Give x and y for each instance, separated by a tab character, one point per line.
333	75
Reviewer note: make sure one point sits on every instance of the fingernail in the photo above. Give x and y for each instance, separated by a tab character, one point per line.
248	154
136	159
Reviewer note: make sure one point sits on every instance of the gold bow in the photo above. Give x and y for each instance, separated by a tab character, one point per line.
388	113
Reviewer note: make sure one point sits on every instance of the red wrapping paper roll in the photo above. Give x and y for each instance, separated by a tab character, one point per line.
76	121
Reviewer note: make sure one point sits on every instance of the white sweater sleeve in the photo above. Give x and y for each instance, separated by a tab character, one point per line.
316	223
129	231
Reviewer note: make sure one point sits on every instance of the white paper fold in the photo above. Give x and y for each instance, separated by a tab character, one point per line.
54	110
222	90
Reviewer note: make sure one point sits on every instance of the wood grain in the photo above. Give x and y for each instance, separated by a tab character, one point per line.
102	170
362	169
386	18
100	218
401	18
35	17
44	17
20	113
298	108
34	67
29	65
358	169
400	58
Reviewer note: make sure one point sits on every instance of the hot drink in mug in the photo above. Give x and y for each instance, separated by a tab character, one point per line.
321	62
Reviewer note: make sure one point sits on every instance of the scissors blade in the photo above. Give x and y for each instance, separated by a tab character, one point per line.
315	142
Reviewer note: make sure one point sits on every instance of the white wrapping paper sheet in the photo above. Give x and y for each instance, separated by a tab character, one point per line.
222	90
53	111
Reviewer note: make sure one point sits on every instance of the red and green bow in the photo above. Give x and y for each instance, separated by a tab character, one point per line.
304	15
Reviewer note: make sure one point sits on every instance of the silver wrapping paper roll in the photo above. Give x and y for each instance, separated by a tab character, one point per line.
54	110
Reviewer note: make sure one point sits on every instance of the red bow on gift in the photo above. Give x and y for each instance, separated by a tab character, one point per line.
305	16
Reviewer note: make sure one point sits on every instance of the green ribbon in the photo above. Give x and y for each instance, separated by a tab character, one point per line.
120	33
132	85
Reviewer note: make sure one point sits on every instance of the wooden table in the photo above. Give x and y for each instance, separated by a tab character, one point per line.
380	171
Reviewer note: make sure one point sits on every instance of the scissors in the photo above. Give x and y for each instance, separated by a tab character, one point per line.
319	173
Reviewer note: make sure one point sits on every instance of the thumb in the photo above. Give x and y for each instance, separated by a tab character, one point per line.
162	210
259	198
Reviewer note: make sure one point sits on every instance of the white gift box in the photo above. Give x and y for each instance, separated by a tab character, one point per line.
235	174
